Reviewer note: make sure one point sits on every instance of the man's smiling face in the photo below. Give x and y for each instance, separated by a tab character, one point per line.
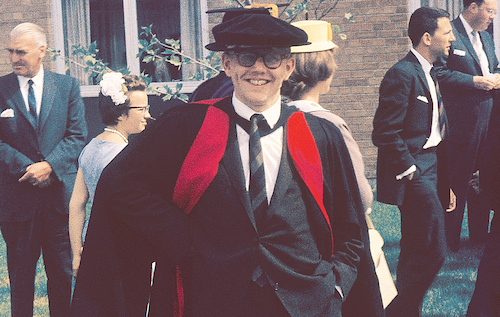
258	86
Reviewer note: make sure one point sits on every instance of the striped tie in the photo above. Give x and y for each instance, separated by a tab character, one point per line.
442	119
32	103
257	188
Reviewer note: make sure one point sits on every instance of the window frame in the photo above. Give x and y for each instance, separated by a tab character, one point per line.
131	44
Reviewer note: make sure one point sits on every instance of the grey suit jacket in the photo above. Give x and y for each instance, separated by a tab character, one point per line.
468	108
58	140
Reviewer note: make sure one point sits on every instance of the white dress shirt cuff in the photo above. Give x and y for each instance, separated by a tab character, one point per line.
412	169
339	290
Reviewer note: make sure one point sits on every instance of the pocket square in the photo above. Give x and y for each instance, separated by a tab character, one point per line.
8	113
423	98
459	52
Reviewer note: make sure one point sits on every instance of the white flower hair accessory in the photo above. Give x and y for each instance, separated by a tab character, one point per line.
112	85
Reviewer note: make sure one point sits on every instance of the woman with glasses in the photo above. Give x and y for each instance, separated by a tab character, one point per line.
123	104
314	69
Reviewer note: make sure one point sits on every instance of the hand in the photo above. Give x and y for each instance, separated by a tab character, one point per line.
453	202
410	176
484	83
76	262
474	182
496	78
38	174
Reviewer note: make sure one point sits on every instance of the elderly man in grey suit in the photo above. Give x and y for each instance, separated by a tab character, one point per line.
468	78
42	131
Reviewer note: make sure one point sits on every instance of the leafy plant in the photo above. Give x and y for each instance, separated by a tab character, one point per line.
153	50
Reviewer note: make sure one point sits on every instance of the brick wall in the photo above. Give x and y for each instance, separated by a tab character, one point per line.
13	12
376	40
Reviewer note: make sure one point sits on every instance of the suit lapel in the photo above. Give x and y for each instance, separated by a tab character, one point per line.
14	98
488	50
47	98
283	180
231	160
462	33
421	75
423	80
232	163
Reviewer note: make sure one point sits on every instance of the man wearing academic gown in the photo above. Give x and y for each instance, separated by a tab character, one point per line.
184	196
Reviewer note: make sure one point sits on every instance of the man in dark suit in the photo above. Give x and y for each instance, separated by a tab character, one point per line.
467	78
242	212
408	131
485	301
42	131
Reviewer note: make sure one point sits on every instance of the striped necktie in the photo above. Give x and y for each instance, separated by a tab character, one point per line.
257	187
32	103
442	118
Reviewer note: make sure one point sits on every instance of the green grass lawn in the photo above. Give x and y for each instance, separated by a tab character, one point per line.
450	293
448	296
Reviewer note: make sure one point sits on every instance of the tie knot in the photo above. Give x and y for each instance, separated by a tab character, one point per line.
30	82
258	121
257	118
474	36
433	75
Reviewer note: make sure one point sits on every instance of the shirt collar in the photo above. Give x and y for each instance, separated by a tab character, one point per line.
466	24
425	63
37	79
272	114
306	105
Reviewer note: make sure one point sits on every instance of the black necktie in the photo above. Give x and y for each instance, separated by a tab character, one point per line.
32	103
442	119
257	188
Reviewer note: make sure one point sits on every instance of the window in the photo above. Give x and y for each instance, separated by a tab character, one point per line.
115	26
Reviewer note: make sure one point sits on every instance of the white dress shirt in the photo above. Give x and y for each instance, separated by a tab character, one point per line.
272	144
37	89
477	44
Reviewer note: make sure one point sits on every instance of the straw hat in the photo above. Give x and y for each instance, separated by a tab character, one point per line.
319	35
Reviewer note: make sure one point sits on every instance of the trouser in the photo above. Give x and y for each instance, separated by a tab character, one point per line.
485	301
47	232
423	243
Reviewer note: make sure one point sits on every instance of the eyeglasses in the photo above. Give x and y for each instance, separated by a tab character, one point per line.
248	59
490	12
144	109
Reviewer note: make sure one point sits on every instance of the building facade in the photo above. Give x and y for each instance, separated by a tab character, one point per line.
375	40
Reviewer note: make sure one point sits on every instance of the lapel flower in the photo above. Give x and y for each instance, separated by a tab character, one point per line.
112	85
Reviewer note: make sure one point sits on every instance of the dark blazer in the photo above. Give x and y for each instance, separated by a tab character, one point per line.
401	126
59	140
216	243
484	301
467	108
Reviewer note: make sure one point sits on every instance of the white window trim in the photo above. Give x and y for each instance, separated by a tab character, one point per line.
132	47
57	26
187	87
131	36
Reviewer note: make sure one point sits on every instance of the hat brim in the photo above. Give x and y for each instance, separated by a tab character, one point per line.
314	47
221	47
